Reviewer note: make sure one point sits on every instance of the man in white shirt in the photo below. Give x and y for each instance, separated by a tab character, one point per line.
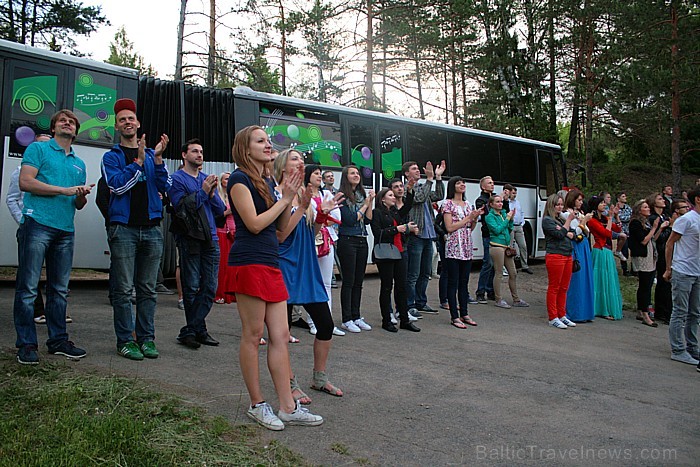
518	233
683	269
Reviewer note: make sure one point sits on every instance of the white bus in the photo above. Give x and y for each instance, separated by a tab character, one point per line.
35	83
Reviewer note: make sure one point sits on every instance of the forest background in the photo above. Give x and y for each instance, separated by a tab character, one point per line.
615	83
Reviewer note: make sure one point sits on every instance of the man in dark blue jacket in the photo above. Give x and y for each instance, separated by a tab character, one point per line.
195	194
135	176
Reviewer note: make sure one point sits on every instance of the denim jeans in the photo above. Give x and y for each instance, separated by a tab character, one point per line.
199	271
420	257
686	313
487	272
135	253
36	243
352	255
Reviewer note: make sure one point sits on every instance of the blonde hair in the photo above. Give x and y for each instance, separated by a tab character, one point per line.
220	188
279	167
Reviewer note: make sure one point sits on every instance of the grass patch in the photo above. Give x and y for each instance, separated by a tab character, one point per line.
628	286
52	414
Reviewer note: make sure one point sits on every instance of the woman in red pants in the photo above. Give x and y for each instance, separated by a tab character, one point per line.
558	236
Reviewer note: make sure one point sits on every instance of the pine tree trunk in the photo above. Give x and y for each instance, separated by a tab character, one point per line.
211	55
369	91
675	105
180	38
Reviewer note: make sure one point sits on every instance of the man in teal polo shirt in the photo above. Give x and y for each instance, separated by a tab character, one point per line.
54	181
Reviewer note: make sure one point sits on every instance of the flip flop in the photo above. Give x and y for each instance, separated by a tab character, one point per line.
293	340
458	324
652	325
468	320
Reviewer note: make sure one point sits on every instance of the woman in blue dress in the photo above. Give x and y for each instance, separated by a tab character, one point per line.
302	274
579	298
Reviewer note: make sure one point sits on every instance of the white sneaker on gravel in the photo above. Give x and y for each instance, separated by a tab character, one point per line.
338	332
556	322
360	323
393	315
350	326
684	357
521	304
412	318
567	322
502	304
265	416
300	416
312	328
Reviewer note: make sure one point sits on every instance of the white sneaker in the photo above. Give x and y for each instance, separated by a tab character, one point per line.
505	272
556	322
312	328
393	315
338	332
621	256
300	416
502	304
265	416
568	322
412	318
350	326
360	323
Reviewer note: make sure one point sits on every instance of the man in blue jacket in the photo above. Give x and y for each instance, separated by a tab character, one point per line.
194	194
135	176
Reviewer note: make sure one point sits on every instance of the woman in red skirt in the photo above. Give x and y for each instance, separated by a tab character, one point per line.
225	234
256	278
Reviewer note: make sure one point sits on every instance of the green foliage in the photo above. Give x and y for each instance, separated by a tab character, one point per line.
49	23
84	419
121	52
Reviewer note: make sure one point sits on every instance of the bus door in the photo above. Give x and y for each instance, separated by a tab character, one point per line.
546	185
377	149
31	94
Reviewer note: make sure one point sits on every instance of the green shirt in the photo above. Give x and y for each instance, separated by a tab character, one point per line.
499	227
57	168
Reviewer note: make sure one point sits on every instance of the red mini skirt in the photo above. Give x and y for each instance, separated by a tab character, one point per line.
257	280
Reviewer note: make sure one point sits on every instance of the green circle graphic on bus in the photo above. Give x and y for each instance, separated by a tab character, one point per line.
300	115
31	104
85	80
264	110
94	134
293	131
43	122
314	133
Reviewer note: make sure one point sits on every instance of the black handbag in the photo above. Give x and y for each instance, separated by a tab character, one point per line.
385	250
575	266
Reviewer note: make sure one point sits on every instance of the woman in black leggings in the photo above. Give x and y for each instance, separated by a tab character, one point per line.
356	213
297	252
392	272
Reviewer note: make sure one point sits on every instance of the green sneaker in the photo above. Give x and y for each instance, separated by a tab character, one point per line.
148	349
130	350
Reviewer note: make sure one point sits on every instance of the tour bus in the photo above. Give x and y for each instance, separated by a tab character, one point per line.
35	83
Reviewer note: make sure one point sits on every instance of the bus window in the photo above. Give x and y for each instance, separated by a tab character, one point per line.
391	147
427	144
318	141
35	98
548	180
473	156
517	163
361	151
93	102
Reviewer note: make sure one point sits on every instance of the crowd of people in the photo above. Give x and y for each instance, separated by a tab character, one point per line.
267	235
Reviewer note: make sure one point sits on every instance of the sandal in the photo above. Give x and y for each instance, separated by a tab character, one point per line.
609	318
263	341
321	383
300	396
467	320
293	340
459	324
219	301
